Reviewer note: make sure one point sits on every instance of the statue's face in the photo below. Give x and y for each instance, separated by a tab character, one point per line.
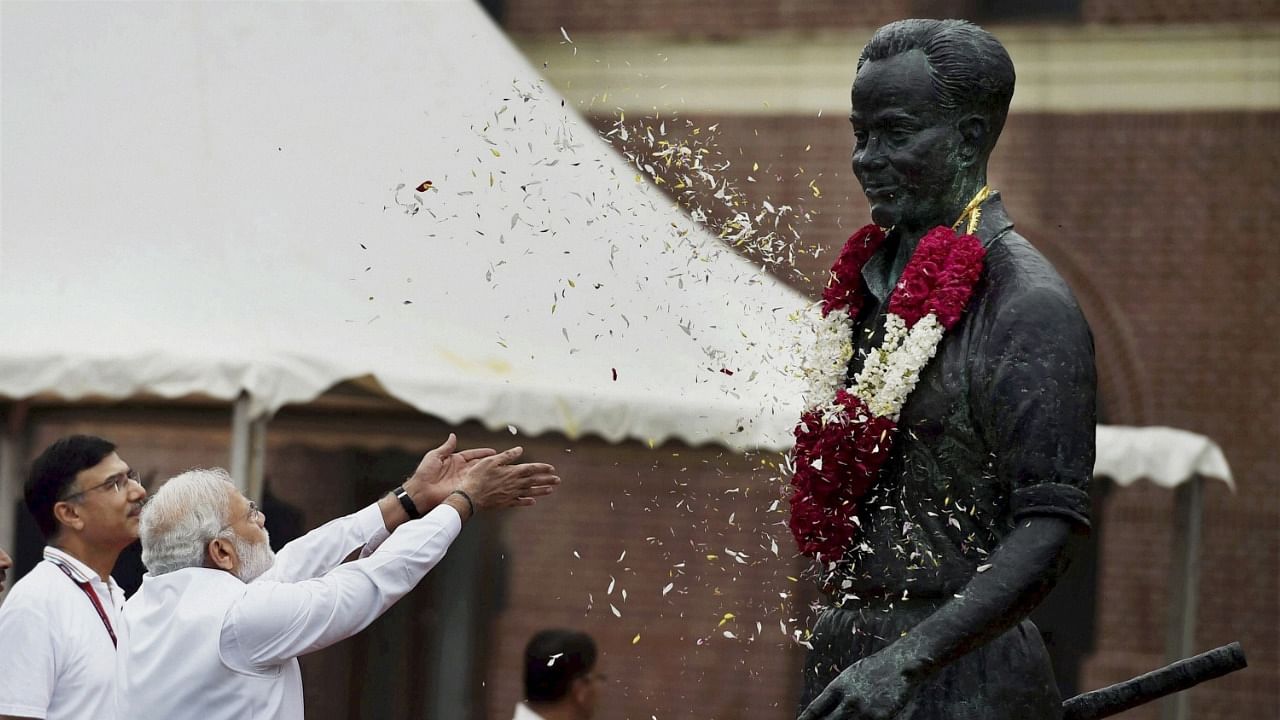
906	150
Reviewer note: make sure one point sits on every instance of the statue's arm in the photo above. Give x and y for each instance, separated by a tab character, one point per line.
1022	570
1033	389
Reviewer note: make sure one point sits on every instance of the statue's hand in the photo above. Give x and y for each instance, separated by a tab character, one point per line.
874	688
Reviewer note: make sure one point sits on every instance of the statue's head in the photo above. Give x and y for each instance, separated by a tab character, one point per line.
929	100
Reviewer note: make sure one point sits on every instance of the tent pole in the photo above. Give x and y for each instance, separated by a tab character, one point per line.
1184	584
248	449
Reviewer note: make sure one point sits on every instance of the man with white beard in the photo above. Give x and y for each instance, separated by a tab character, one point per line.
219	622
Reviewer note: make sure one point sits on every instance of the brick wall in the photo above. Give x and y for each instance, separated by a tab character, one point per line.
735	18
708	18
1179	11
156	443
1160	223
675	512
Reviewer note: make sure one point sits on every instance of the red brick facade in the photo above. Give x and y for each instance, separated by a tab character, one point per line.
1179	11
736	18
710	18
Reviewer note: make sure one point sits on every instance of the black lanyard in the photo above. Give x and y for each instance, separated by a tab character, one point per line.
93	598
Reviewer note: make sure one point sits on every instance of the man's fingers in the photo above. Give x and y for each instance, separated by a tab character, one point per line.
506	457
523	502
537	491
476	453
531	469
546	472
446	448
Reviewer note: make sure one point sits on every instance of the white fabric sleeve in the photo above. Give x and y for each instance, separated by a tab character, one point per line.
324	548
375	540
277	621
28	665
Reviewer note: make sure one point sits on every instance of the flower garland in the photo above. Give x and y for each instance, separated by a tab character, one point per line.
846	434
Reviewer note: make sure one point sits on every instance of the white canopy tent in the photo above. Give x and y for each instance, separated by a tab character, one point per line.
1181	461
220	198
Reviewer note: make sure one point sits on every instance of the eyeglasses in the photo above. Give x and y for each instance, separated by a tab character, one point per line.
254	512
115	482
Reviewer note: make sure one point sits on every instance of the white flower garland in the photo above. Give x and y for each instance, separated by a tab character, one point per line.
890	372
826	363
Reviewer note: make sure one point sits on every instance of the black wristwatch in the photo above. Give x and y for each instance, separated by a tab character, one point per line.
406	502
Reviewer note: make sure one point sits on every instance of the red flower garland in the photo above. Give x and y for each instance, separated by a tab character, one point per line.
939	278
845	288
838	458
836	465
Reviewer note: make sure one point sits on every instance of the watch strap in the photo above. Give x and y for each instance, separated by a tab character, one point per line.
406	502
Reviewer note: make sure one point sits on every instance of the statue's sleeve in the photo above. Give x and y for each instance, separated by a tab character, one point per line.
1034	398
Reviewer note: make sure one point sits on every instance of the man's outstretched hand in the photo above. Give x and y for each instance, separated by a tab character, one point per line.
440	472
498	481
874	688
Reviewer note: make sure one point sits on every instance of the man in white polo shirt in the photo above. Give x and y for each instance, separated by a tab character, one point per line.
218	625
60	624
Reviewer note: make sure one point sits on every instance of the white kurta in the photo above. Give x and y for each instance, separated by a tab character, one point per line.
56	657
209	646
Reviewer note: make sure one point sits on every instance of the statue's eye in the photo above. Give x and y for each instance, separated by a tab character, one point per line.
860	136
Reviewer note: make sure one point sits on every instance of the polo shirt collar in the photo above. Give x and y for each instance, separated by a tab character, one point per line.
81	572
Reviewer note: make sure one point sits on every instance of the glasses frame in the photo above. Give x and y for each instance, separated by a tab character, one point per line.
119	481
254	511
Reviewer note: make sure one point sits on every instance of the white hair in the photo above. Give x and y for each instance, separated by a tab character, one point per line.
180	519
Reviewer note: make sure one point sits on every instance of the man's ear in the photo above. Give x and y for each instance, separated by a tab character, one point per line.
973	138
579	690
221	554
68	514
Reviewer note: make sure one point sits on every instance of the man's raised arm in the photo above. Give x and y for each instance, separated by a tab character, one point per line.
277	621
324	548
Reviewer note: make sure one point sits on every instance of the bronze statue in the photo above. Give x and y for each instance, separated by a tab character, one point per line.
976	481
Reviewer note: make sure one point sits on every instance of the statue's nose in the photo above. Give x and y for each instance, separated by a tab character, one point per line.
871	157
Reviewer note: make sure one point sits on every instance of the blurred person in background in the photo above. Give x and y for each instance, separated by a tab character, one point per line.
560	678
60	624
6	562
220	620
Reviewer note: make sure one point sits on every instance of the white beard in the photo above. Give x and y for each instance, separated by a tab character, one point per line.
255	558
